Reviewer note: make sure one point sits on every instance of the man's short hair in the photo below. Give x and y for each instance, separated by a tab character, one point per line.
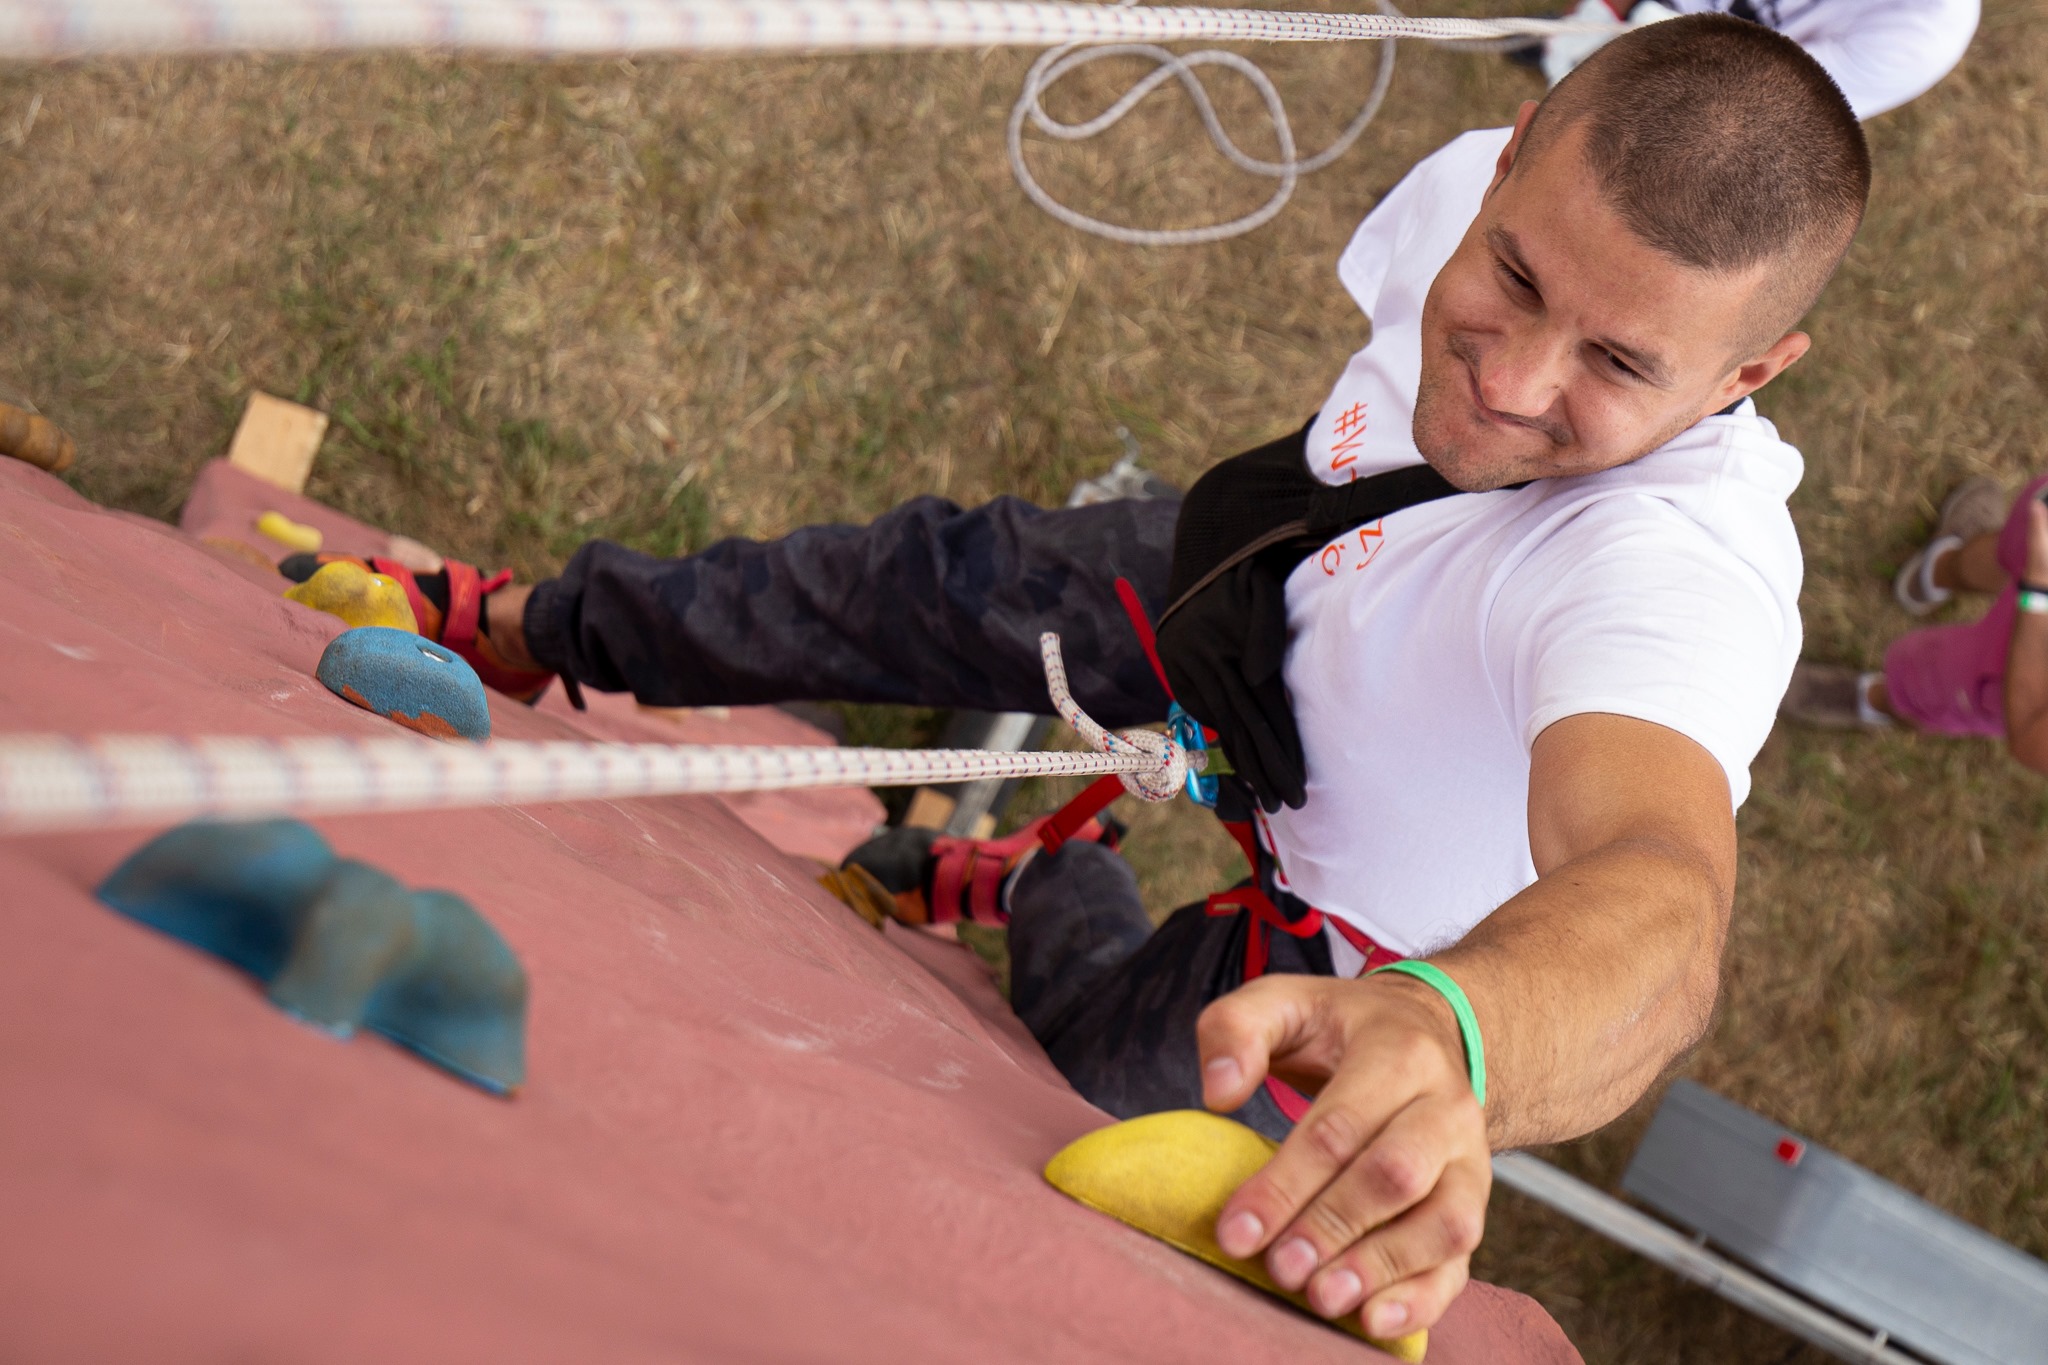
1722	144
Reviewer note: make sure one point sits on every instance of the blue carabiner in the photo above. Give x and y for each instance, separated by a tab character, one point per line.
1187	732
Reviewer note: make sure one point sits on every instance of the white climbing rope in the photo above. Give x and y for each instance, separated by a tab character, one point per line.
1083	33
1062	61
67	28
50	783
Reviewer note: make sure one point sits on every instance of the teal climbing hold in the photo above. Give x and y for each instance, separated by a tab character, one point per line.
337	943
407	678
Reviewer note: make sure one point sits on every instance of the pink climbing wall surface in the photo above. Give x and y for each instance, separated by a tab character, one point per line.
754	1128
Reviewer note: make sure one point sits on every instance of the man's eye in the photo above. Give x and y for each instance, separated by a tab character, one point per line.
1616	364
1513	278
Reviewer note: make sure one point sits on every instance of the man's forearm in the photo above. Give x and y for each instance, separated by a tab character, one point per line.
1590	983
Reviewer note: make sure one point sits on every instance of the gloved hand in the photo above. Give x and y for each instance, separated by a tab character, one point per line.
1222	651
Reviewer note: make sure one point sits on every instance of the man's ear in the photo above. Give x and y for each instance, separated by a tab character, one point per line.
1746	378
1506	162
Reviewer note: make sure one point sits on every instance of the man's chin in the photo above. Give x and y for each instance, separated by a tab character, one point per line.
1468	464
1473	454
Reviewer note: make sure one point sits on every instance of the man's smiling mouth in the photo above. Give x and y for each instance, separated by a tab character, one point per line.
1468	370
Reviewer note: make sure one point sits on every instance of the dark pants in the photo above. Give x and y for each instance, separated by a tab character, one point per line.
935	606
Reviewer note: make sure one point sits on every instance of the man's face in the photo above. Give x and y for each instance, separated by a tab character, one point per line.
1556	342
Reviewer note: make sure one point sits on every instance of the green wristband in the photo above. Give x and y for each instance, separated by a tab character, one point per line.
1439	980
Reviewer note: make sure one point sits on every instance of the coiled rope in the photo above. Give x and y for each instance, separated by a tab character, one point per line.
51	783
1061	61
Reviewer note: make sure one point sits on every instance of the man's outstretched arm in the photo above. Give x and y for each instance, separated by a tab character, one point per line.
1587	986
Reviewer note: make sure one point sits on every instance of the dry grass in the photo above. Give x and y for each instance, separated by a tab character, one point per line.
671	300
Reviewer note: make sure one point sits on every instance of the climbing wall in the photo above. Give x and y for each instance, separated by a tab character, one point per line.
753	1128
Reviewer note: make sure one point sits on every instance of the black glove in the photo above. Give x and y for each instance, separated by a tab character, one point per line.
1222	650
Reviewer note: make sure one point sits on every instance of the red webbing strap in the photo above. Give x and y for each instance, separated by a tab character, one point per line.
985	888
1292	1102
1241	831
1375	956
1265	917
414	598
1142	624
1064	823
465	605
955	857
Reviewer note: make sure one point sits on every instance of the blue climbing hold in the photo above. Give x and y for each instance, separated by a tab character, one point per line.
407	678
337	943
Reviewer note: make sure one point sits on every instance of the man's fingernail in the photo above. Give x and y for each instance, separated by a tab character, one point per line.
1292	1262
1387	1320
1223	1075
1239	1236
1338	1293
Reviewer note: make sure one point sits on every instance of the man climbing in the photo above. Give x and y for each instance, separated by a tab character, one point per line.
1491	642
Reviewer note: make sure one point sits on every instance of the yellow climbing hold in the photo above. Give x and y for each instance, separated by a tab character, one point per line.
1169	1175
357	596
291	534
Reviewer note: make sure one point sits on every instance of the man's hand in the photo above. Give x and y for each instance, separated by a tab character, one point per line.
1587	985
1377	1200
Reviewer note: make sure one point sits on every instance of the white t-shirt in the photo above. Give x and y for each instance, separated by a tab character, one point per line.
1881	52
1429	650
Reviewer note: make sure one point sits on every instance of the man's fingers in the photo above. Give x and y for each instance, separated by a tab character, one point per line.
1346	1117
1445	1227
1416	1303
1403	1067
1403	1166
1240	1035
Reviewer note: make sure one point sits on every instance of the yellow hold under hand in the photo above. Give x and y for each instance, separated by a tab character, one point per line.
357	596
1170	1175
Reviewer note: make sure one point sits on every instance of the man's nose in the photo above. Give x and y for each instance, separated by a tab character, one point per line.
1524	373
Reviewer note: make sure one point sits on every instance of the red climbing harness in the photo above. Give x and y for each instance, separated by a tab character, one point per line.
1262	920
1262	917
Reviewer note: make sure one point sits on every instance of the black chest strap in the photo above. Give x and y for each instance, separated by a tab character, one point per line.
1265	502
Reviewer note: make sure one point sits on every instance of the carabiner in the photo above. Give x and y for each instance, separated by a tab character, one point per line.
1187	732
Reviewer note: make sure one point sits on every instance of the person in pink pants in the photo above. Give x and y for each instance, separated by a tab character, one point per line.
1988	677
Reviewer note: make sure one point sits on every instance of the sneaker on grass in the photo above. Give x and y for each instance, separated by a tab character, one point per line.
1832	697
1974	507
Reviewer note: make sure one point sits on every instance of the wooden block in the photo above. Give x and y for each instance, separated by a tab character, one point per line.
276	441
929	809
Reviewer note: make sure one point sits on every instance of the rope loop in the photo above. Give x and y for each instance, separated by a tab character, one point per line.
1161	782
1059	62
